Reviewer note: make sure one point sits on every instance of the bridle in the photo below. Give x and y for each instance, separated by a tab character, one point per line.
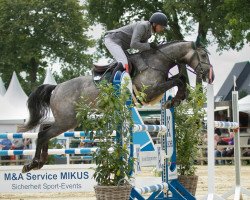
200	62
199	59
199	65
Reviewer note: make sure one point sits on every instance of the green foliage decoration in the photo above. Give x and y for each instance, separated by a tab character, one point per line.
36	33
226	21
108	113
189	116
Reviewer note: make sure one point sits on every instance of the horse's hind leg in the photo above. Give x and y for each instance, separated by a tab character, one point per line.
44	155
42	147
52	132
36	160
38	163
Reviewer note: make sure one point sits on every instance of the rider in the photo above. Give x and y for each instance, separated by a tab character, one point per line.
134	36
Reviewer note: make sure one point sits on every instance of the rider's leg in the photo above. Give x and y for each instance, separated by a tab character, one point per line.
119	67
116	51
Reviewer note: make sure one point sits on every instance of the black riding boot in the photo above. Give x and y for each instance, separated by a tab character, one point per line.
119	67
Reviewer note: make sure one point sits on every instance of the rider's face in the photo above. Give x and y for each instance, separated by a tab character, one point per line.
159	28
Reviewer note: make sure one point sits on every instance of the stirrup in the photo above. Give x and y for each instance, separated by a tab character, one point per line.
119	67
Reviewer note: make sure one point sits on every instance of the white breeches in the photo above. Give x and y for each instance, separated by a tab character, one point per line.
116	50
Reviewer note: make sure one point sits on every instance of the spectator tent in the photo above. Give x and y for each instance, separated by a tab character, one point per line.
244	104
13	108
2	88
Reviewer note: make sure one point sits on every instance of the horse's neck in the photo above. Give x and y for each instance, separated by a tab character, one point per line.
177	51
164	59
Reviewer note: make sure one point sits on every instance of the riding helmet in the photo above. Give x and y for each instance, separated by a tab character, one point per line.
159	18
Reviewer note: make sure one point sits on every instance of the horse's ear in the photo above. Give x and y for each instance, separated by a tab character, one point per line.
194	45
199	42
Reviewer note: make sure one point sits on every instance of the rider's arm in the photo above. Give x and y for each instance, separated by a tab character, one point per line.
141	31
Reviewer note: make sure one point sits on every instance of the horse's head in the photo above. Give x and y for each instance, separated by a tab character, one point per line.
199	61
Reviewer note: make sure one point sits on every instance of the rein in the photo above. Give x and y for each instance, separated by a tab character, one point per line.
192	57
175	61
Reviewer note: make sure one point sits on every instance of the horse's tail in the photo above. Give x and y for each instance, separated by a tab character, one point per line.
38	105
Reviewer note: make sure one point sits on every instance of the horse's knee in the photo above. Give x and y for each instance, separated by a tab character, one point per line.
45	152
42	138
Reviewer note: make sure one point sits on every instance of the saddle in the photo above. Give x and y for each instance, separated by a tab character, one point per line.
103	72
100	69
106	72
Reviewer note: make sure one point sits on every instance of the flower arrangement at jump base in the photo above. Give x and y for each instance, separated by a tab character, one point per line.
189	117
109	114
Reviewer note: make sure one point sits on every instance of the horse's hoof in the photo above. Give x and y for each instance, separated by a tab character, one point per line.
167	105
177	103
33	165
25	169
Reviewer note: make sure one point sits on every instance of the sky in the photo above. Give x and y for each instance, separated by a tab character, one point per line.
222	62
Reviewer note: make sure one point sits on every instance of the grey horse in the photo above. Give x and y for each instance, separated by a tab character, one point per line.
154	74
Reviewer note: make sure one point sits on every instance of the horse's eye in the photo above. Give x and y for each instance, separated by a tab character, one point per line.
203	55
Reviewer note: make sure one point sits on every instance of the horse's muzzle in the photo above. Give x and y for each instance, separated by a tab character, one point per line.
211	75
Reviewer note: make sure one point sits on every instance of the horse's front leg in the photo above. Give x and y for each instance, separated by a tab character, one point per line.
182	92
170	83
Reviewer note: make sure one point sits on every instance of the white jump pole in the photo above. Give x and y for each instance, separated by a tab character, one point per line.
210	137
237	190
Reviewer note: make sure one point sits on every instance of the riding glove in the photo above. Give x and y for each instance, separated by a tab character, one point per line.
153	45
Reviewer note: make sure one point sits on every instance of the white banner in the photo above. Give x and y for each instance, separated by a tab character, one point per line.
148	158
51	178
137	164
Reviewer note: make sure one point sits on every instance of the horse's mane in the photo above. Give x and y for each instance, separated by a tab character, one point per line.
165	43
160	46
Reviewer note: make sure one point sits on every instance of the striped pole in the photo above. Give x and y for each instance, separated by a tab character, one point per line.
136	128
150	128
50	151
226	125
152	188
35	135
